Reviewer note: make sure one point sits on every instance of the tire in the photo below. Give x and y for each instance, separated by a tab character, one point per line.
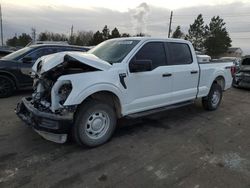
95	123
7	86
213	100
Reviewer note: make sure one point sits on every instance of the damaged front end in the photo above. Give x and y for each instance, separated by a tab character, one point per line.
45	111
242	79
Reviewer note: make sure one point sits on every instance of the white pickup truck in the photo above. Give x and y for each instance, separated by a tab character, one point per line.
84	94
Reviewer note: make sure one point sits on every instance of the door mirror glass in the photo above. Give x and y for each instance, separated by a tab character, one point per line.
27	60
140	65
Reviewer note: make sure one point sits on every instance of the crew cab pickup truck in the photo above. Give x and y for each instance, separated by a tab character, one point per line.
83	95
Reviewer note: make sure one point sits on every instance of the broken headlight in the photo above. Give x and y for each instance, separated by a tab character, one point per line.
64	92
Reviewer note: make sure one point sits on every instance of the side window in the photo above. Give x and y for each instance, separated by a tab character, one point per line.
179	54
41	52
154	51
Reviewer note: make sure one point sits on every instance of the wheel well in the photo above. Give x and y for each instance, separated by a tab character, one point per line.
109	98
221	81
10	77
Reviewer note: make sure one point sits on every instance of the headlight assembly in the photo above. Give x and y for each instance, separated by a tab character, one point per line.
64	92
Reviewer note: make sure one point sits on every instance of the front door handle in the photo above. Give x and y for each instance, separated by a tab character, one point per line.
194	72
166	75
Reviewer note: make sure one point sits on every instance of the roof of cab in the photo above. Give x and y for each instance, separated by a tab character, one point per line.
152	39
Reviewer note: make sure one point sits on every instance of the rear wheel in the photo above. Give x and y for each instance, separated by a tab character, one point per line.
213	100
7	86
94	124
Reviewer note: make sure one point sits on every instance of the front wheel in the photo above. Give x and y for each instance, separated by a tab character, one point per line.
213	100
94	124
7	86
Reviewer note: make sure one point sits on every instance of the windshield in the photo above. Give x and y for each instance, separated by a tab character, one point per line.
246	61
16	54
114	51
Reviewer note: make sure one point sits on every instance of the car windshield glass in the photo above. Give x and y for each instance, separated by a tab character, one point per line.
113	51
16	54
246	61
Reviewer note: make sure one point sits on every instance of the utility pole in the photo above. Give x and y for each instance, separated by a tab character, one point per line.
170	23
33	34
71	31
1	24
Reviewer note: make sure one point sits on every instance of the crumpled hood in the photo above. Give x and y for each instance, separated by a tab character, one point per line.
51	61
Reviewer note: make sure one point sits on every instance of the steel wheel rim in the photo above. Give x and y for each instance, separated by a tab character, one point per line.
97	125
4	86
215	98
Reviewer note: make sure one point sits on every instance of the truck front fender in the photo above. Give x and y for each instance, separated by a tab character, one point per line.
76	98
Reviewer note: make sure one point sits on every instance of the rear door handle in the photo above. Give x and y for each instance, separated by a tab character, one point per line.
194	72
166	75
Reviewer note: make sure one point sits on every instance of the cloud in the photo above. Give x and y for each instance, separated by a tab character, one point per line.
139	16
145	18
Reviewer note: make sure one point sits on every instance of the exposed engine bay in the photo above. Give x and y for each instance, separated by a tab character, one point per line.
49	93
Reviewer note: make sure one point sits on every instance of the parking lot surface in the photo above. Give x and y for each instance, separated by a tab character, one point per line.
186	147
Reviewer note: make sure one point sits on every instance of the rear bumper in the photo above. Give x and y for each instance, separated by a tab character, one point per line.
51	126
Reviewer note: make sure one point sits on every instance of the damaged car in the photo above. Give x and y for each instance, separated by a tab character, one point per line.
83	94
242	77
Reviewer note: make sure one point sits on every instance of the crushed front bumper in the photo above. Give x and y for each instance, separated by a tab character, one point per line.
242	82
53	127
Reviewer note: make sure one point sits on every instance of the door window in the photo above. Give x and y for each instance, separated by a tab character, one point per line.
154	51
41	52
179	54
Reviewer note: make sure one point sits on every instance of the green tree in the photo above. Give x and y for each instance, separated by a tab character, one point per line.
125	35
178	33
50	36
140	35
12	41
217	40
196	33
115	33
83	38
97	38
21	40
43	36
24	39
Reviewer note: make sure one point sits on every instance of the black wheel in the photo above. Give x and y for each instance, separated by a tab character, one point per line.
95	123
7	86
213	100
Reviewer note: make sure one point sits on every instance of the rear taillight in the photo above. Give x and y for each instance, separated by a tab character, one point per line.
233	71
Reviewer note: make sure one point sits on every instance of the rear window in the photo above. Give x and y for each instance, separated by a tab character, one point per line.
180	54
246	61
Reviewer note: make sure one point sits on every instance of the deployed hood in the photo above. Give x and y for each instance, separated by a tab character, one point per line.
50	61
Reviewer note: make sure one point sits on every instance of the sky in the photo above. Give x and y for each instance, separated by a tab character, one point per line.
131	16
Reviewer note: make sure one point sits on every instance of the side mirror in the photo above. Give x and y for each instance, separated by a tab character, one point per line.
27	60
140	65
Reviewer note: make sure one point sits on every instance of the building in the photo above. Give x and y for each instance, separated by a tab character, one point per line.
233	52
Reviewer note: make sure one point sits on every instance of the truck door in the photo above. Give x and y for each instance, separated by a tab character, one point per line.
185	71
148	88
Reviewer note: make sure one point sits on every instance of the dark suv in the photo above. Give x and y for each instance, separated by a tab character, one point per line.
15	68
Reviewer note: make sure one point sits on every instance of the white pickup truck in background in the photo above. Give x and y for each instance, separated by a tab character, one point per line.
84	94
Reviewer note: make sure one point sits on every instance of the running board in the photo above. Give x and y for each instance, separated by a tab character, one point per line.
149	112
